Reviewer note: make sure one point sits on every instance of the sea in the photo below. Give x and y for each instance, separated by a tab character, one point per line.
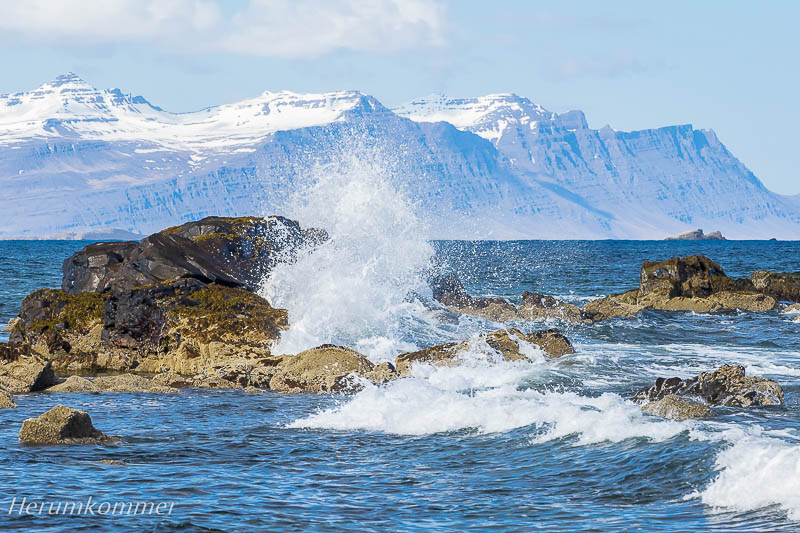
490	445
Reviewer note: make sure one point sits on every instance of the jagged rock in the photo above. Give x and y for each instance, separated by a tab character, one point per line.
697	235
783	286
26	375
62	425
327	368
537	306
75	384
6	401
725	386
506	342
677	408
227	251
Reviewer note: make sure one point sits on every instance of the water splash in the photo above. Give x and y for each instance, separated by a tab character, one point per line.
356	289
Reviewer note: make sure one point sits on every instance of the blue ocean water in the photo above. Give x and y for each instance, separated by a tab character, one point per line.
544	444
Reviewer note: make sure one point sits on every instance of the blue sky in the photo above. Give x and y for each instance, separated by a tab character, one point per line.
731	66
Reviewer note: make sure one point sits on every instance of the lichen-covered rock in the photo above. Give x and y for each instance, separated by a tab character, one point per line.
506	342
725	386
62	425
382	373
6	401
324	369
183	325
783	286
794	308
677	408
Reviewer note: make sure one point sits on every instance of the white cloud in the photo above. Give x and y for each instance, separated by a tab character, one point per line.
281	28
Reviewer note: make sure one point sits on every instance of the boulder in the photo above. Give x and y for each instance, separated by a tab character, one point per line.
236	252
382	373
677	408
324	369
6	401
726	386
783	286
506	342
794	308
62	425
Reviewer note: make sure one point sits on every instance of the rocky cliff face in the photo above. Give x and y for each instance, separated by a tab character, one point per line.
78	161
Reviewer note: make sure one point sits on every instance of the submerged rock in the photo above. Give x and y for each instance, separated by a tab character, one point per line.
726	386
62	425
506	342
324	369
6	401
677	408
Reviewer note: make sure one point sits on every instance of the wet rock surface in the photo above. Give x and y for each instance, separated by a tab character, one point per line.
327	368
62	425
726	386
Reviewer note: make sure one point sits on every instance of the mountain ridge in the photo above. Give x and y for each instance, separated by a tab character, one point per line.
79	160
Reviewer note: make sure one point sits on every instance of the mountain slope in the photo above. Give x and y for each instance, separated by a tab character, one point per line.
76	160
674	176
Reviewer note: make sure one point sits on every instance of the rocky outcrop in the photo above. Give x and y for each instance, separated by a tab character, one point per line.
183	325
697	235
62	425
449	291
506	342
324	369
783	286
726	386
677	408
6	401
693	283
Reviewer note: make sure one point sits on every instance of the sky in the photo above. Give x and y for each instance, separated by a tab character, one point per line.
731	66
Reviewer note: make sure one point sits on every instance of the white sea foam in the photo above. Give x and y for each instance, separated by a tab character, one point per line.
488	395
757	472
353	289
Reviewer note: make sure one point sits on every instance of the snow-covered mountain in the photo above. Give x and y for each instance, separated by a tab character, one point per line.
75	160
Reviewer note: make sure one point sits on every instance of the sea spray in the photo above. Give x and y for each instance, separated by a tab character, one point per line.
357	288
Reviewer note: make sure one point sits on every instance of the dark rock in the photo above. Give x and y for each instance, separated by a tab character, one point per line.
62	425
783	286
236	252
726	386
